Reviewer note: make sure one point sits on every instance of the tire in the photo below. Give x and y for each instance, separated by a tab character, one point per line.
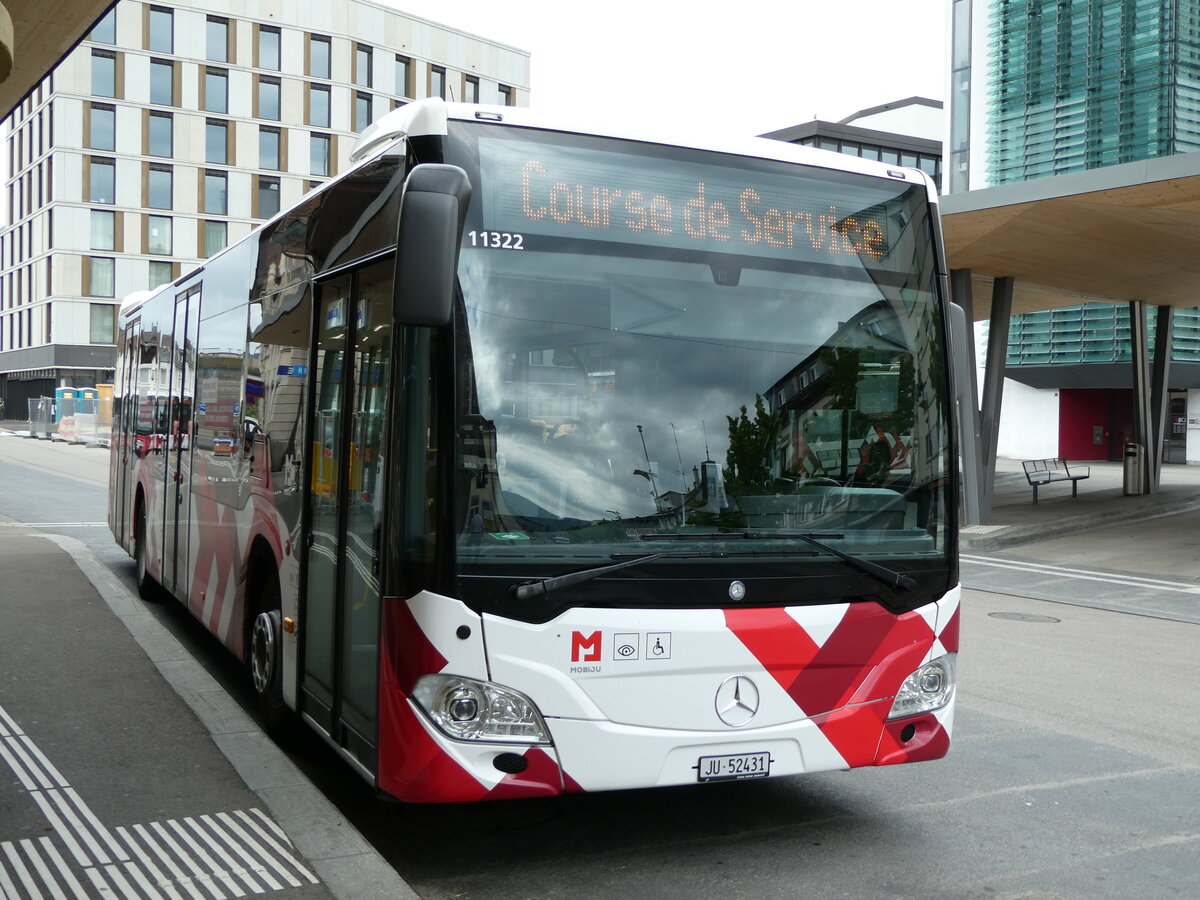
147	587
264	655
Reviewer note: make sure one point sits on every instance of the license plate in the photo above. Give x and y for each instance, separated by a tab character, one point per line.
742	765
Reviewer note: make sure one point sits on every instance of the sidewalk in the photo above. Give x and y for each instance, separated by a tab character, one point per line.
1101	502
110	786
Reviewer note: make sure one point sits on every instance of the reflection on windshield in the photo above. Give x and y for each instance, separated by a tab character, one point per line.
606	397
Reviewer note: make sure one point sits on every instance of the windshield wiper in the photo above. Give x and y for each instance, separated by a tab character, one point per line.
546	585
890	577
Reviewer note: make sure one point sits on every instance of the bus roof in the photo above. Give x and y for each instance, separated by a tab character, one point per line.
431	117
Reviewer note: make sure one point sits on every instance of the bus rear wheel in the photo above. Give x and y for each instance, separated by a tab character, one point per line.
147	587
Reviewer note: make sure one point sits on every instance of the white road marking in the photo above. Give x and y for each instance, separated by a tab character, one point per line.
53	524
63	869
32	854
217	850
1085	574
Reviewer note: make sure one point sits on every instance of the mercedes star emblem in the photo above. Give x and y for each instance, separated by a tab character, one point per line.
737	701
737	591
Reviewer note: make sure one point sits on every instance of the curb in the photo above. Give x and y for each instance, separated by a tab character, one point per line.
348	866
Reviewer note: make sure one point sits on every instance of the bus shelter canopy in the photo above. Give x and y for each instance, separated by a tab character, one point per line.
42	33
1116	234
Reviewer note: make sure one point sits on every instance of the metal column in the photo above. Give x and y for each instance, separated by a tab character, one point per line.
1143	432
993	388
1159	389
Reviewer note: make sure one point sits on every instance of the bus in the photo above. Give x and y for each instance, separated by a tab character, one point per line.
522	459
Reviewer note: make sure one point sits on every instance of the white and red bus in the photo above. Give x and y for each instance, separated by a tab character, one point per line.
521	460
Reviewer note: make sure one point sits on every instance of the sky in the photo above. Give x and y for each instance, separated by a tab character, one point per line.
754	65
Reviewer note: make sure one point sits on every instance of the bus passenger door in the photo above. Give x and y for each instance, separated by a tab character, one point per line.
177	491
351	371
123	435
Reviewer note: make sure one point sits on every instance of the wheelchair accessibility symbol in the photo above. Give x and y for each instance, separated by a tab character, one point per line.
658	645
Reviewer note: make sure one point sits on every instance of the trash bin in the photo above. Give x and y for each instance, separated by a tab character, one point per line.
1135	473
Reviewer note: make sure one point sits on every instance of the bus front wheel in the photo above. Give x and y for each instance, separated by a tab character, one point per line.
266	635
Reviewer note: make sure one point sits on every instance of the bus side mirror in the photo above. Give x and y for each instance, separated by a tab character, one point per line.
432	213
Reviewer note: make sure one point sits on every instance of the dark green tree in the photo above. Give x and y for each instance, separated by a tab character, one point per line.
752	448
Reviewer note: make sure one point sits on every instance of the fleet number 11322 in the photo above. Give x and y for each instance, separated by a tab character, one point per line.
497	240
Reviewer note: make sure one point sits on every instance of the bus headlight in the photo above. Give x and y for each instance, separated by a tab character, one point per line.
469	710
930	687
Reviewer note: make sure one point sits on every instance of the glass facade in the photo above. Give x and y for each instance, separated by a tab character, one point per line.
1080	84
1092	333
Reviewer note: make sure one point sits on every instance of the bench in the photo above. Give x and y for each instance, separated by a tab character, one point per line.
1047	471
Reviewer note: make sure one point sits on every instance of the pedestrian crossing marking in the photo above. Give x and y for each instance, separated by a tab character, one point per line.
206	857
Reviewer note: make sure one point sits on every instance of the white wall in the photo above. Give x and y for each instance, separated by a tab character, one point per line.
1192	454
1028	421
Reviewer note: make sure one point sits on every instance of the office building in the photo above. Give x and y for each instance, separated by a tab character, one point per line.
903	133
1044	88
174	129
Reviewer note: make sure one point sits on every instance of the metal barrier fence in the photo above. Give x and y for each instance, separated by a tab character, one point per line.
41	418
74	427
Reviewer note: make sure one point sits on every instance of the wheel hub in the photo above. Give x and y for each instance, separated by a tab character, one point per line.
264	650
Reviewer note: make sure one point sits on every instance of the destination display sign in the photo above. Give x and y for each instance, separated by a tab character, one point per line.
536	189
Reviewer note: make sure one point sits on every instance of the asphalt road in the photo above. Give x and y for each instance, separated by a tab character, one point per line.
1073	772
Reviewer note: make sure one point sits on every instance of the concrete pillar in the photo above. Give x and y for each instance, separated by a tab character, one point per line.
993	388
1143	431
1164	327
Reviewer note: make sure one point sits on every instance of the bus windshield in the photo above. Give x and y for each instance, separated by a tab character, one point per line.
705	357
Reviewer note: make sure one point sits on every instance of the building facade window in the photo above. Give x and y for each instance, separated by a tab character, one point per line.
160	273
268	98
159	138
162	30
216	39
101	181
319	154
104	73
268	197
318	56
105	30
269	148
362	65
216	90
214	238
216	141
162	82
471	89
268	47
100	281
437	82
158	235
216	193
318	106
159	188
404	70
103	229
362	110
102	322
508	97
102	127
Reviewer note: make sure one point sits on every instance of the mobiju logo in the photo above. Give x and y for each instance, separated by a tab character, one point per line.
585	649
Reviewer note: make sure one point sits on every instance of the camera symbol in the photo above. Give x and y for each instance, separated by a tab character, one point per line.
627	650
